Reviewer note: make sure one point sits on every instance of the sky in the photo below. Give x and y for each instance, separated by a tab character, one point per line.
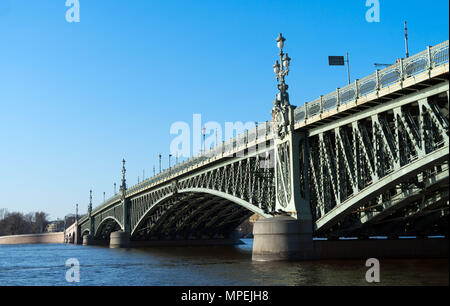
76	98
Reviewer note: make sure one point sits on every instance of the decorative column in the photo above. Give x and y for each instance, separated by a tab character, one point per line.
121	239
288	235
91	218
77	229
88	239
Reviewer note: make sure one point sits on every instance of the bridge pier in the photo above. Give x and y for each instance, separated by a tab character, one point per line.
88	240
282	238
119	239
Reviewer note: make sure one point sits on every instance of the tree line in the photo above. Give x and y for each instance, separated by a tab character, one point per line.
16	223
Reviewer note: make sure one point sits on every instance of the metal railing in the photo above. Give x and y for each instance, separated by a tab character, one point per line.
428	59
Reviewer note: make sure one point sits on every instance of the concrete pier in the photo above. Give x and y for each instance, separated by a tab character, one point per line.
119	240
282	238
88	240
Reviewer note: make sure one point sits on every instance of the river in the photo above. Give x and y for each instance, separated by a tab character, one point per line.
45	264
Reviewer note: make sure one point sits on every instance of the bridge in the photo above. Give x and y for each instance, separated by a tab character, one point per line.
366	160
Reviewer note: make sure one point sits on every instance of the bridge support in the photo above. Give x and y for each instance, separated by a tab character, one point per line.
88	240
119	240
282	238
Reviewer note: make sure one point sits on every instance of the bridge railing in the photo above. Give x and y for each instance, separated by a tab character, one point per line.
430	58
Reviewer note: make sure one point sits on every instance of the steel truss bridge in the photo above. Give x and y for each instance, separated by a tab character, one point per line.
367	159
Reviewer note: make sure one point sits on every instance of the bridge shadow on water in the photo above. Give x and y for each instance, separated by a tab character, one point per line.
210	253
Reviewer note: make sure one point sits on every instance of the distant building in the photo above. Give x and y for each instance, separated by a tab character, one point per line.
55	226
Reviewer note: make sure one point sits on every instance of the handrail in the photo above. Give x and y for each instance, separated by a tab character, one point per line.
428	59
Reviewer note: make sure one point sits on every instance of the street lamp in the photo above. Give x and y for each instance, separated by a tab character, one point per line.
281	69
123	187
282	111
90	203
159	163
204	144
286	61
280	41
276	68
406	40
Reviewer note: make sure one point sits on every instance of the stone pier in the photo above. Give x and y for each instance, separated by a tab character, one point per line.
88	240
119	240
282	238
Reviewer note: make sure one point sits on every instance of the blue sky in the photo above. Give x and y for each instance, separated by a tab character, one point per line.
76	98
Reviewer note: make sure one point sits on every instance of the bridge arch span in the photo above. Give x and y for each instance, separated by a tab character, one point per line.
106	227
194	212
153	207
251	207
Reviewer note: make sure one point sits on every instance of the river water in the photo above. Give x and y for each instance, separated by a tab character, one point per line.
43	264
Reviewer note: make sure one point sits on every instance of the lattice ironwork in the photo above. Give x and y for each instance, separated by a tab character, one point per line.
373	152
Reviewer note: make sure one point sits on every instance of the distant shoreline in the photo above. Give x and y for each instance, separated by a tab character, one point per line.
57	237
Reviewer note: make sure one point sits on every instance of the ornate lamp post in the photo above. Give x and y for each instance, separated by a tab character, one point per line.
91	218
123	187
90	203
281	70
204	143
281	105
121	238
123	198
